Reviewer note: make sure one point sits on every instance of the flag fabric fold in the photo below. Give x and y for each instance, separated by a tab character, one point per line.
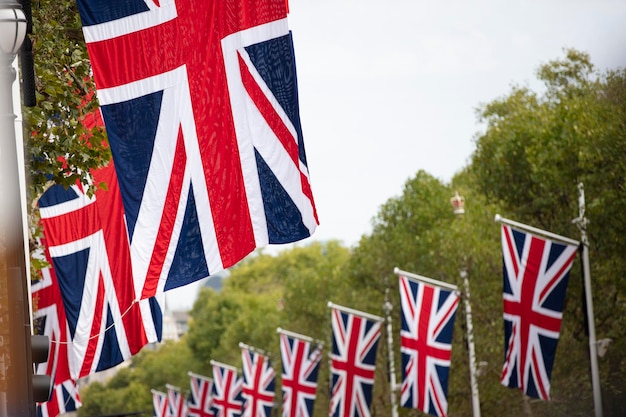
160	403
227	400
427	322
205	133
258	383
353	361
301	365
535	275
201	396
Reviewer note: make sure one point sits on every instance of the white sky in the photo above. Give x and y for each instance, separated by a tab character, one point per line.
390	87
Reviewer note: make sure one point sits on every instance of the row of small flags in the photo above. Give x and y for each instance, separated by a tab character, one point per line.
535	278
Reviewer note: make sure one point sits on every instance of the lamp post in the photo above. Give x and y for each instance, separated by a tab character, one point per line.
15	356
458	203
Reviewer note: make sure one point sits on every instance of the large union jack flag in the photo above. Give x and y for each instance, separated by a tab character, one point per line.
427	314
201	398
201	109
87	242
536	272
353	362
227	401
50	320
258	383
301	365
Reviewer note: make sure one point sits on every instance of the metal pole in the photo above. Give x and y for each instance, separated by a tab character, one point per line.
581	221
392	367
470	347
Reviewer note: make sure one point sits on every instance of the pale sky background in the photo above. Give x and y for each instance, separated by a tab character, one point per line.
391	87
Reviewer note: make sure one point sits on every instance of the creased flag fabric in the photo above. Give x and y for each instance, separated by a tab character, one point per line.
50	320
227	401
201	109
177	402
257	390
536	272
301	365
201	396
427	322
161	404
87	242
353	363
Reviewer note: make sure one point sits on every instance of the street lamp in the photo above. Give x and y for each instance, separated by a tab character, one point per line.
16	368
458	204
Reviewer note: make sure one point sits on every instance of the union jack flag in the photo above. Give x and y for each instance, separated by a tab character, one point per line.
301	365
201	109
353	362
50	320
427	314
177	402
258	383
536	272
227	387
201	403
160	403
87	242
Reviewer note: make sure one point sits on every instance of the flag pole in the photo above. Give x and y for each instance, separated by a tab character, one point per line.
393	387
458	203
581	222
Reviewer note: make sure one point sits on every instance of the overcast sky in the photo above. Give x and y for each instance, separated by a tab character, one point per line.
391	87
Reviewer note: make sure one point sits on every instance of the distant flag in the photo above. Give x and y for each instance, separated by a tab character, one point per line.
258	383
301	365
88	245
201	398
536	272
355	337
227	401
49	319
427	313
208	145
160	403
177	401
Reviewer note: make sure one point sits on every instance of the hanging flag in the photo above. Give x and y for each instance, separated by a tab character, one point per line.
427	313
161	404
205	132
536	271
258	383
176	401
201	402
87	242
301	365
353	361
227	387
49	319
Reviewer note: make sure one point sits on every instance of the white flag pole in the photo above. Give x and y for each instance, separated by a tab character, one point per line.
393	387
581	222
427	280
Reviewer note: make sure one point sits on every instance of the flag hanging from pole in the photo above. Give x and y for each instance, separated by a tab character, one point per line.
227	401
258	383
535	272
160	403
201	402
301	365
427	313
353	361
200	103
177	402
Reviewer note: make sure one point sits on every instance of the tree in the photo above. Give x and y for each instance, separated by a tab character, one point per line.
534	152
